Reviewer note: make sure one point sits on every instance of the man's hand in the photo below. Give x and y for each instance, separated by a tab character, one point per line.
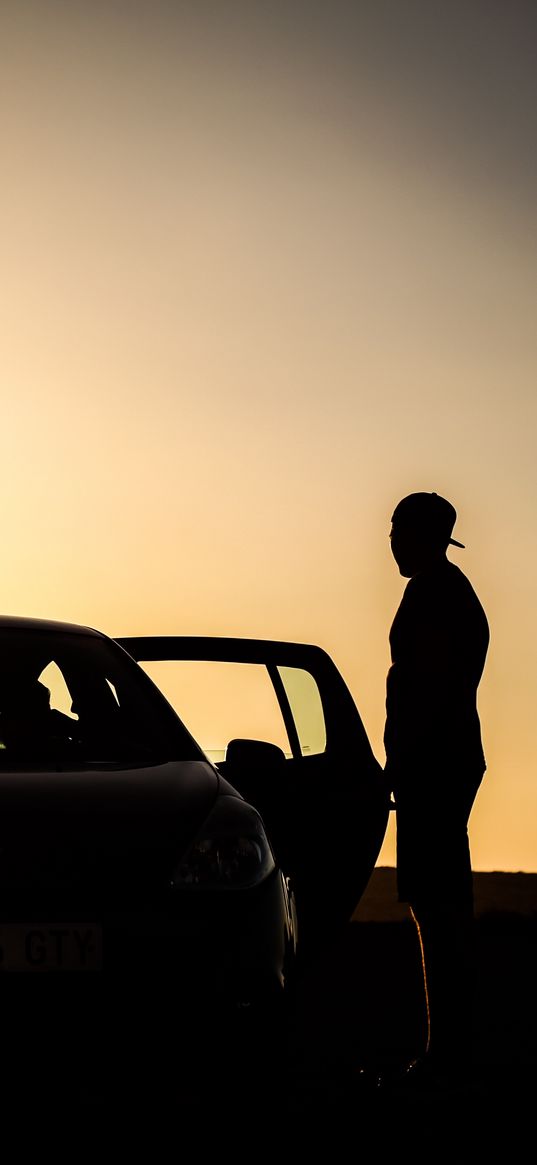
386	784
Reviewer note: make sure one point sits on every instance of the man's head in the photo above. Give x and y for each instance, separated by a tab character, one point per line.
421	531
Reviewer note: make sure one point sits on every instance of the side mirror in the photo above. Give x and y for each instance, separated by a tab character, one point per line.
243	755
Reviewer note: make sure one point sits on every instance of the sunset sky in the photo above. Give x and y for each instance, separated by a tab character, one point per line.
267	268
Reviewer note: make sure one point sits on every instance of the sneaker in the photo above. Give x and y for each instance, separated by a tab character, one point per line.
367	1079
425	1077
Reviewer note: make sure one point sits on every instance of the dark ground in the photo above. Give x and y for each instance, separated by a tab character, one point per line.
362	1003
367	1006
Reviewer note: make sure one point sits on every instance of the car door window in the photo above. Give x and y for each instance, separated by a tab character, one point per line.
306	707
219	701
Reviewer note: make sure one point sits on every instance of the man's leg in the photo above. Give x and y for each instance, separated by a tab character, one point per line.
446	938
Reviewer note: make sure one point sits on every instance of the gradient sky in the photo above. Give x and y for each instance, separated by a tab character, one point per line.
266	268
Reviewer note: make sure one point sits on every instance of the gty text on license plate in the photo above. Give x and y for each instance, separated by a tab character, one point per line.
50	946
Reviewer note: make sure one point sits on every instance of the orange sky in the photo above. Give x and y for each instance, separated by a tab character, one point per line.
266	269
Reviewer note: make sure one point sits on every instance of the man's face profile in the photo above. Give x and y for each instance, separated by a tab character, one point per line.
404	548
413	547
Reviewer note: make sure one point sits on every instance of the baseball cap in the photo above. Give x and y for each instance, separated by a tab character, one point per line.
428	512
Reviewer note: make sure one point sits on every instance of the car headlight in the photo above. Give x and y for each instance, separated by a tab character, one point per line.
231	851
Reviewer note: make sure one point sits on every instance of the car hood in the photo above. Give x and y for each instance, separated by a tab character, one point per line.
105	827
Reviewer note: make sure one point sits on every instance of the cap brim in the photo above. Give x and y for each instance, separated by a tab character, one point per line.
453	542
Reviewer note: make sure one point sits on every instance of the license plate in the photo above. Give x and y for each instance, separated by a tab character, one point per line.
50	947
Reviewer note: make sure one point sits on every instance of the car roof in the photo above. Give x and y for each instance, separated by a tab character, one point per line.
26	623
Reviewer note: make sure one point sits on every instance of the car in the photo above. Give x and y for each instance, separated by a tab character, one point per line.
162	874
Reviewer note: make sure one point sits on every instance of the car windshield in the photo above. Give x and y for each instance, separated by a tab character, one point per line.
72	699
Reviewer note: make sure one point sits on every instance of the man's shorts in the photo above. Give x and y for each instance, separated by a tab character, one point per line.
433	852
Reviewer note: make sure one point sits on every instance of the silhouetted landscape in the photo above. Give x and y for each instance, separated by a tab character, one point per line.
494	893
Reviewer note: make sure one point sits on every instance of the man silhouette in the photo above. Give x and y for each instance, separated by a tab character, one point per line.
434	766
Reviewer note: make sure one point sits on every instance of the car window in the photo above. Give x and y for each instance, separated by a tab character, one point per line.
73	699
60	698
307	709
219	701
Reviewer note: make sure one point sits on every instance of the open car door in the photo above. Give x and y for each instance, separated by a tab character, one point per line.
281	726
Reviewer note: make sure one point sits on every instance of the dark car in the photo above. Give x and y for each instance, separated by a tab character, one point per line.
135	865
